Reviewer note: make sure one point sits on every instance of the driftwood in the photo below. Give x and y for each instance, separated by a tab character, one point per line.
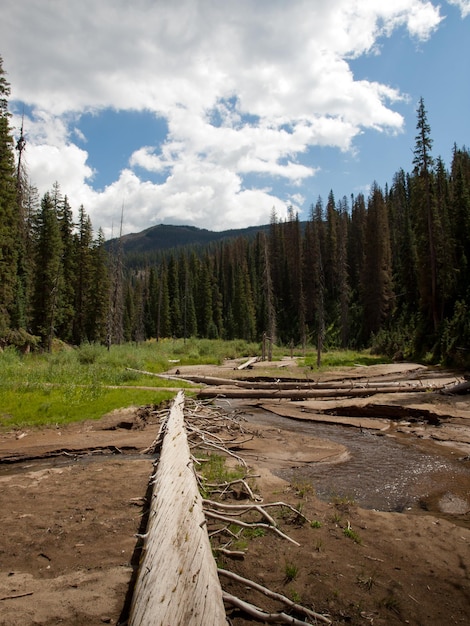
177	582
248	363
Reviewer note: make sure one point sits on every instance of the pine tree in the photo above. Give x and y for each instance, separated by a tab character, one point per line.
137	322
151	302
318	271
176	319
187	297
270	317
83	278
9	220
115	323
377	277
330	267
403	246
343	275
295	289
356	263
97	314
243	305
460	217
426	218
163	319
48	280
69	269
128	314
445	245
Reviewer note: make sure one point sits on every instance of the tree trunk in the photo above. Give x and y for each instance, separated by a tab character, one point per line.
177	582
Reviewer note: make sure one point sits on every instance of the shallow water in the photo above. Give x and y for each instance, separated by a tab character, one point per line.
382	473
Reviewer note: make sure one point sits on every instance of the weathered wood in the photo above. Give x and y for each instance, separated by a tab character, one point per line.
460	388
177	582
301	394
248	363
276	596
276	384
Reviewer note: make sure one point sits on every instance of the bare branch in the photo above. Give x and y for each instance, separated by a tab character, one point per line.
275	596
254	611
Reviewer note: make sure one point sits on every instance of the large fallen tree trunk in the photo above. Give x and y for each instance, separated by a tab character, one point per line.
177	582
300	394
293	384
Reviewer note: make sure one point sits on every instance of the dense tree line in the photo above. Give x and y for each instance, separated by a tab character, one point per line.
54	276
389	270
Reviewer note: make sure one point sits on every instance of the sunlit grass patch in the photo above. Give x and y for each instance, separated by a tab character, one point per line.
42	405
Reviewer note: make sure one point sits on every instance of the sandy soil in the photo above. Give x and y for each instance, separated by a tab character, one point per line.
68	550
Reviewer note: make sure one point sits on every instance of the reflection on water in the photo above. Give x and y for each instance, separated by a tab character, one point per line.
381	472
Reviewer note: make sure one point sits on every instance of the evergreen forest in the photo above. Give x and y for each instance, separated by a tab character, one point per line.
389	272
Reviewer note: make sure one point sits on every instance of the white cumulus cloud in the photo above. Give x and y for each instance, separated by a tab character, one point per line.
246	88
463	5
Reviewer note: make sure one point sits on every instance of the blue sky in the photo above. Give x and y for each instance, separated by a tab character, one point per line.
213	113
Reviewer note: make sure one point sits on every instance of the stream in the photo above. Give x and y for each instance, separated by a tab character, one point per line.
381	473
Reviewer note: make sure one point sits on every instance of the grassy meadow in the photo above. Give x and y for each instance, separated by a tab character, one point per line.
73	384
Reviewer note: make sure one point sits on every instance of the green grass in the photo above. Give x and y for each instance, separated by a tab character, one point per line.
344	358
351	534
290	571
72	384
39	405
253	533
213	469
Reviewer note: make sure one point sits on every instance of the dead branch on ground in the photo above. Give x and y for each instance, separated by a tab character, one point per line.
275	596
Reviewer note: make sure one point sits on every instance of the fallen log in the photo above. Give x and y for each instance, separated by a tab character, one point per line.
215	381
459	388
248	363
177	581
275	393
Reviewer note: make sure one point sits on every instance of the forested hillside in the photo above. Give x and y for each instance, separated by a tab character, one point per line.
387	271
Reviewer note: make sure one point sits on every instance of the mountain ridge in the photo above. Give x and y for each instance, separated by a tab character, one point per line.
167	236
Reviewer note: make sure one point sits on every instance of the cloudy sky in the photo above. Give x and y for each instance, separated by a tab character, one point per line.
212	112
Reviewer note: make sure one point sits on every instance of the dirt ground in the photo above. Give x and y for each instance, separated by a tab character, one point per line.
69	552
